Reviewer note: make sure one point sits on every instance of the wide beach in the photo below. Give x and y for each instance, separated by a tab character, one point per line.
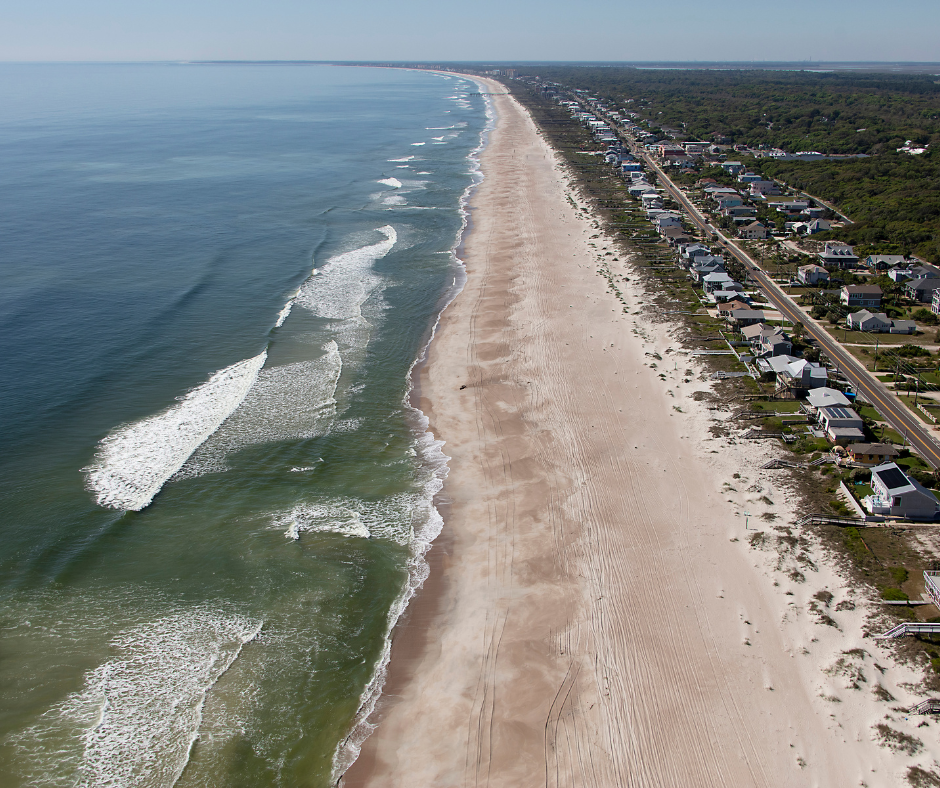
595	615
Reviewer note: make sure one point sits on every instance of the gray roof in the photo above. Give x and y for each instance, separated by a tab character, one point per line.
885	449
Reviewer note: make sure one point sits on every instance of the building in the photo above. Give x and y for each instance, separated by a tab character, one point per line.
754	231
935	302
871	453
826	397
861	295
732	167
922	289
898	495
812	274
774	345
716	281
876	322
843	425
745	317
762	188
838	255
882	262
802	375
818	226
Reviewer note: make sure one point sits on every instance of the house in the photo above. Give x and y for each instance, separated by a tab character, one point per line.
812	274
838	255
736	211
871	453
701	270
935	302
774	345
761	188
802	375
667	220
775	365
792	207
876	322
826	397
745	317
882	262
730	294
730	306
922	289
817	226
676	236
898	495
732	167
726	201
716	281
903	327
861	295
842	425
754	231
748	177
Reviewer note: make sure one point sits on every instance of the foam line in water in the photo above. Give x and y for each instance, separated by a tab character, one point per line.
393	182
137	716
339	288
134	461
284	313
291	402
403	158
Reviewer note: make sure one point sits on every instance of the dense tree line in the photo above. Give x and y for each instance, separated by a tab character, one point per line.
893	199
838	112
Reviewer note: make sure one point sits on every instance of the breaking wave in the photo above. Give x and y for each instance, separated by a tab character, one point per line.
135	461
137	716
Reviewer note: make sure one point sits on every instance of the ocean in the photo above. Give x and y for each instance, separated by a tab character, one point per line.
215	497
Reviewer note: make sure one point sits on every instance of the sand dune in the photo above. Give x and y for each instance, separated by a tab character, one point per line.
595	615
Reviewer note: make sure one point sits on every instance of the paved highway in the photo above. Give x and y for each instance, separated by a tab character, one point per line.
866	384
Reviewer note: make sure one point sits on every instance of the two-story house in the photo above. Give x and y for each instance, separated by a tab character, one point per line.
861	296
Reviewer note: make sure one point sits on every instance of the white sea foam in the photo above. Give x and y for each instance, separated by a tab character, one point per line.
338	290
137	716
395	199
290	402
393	182
418	144
283	314
404	158
134	461
321	518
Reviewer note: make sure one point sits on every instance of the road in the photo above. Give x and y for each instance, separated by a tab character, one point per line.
895	412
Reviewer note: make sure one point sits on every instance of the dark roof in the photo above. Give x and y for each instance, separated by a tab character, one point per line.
864	289
885	449
893	478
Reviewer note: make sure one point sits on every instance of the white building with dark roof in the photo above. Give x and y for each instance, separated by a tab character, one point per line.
898	495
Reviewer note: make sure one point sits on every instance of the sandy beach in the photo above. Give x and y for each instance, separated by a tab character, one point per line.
597	613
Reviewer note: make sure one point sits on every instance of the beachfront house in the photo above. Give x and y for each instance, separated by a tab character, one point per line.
745	317
838	255
802	375
812	274
774	345
871	453
898	495
842	425
861	295
716	281
826	397
732	167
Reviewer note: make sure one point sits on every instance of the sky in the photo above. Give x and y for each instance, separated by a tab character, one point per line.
487	30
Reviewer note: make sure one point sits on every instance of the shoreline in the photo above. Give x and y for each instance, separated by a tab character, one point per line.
596	614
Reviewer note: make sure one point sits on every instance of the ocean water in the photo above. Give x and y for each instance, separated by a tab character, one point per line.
214	496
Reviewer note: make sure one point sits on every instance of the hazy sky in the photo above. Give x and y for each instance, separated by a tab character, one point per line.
487	30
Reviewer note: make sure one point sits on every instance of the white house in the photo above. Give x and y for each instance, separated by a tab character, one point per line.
898	495
876	322
842	424
826	397
812	274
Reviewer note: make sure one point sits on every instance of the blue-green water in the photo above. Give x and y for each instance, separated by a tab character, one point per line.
214	498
